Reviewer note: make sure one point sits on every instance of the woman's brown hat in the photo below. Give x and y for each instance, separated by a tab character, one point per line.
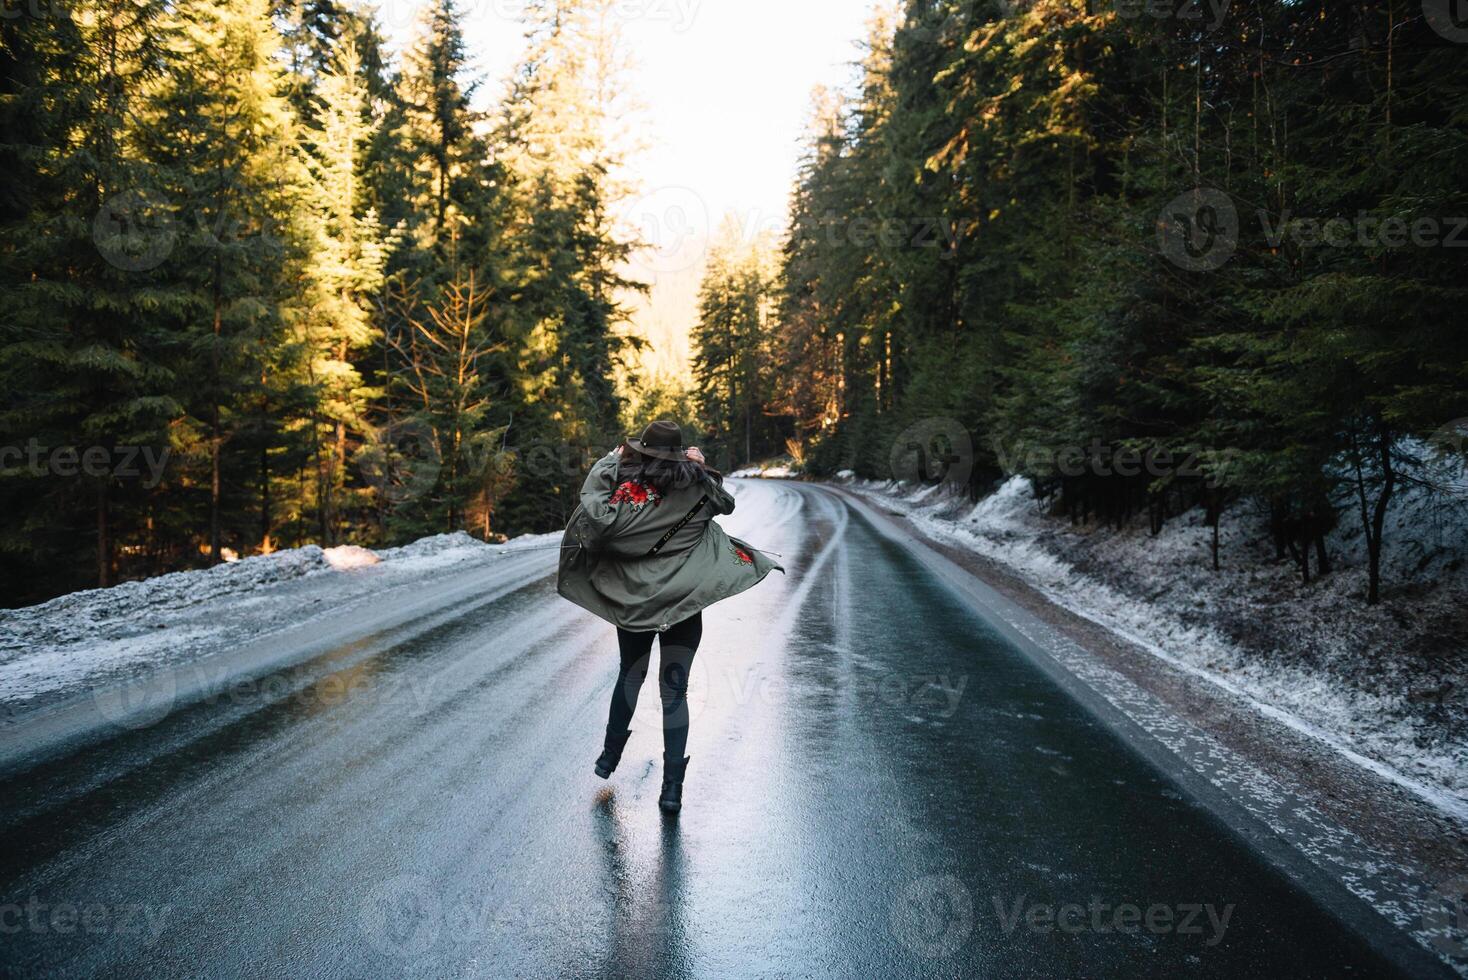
661	439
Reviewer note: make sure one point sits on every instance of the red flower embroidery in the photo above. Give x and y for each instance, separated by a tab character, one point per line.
636	494
742	556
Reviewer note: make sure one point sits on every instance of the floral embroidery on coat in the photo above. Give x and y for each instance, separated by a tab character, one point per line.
742	556
637	494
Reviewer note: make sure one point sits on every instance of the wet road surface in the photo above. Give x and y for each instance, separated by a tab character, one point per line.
881	785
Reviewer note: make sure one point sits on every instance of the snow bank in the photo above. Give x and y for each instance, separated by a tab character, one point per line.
85	638
444	550
775	471
78	613
349	556
1383	684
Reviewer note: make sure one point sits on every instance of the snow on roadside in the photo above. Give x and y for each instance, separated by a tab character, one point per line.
83	639
771	471
445	550
1385	686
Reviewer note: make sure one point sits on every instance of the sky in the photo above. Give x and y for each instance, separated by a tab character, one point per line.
726	88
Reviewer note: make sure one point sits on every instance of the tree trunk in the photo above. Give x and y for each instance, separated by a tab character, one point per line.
1373	518
1378	518
1300	552
748	432
1215	514
323	491
104	539
215	544
339	457
265	543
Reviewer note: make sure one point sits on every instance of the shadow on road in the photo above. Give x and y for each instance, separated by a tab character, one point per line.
645	907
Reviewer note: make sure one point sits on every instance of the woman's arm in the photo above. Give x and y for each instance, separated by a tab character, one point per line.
722	500
597	490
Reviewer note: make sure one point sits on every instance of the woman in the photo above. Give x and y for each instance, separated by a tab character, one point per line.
643	552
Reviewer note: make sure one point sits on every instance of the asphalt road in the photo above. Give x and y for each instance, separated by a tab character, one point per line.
881	785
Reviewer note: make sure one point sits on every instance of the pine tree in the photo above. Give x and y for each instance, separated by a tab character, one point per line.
732	362
224	140
809	391
84	363
438	132
312	32
347	271
450	352
562	151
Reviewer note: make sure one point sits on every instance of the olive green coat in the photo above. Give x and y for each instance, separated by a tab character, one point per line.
605	562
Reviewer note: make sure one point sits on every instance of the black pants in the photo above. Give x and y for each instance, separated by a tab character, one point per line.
677	648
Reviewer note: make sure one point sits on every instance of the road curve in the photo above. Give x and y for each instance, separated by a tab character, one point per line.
881	785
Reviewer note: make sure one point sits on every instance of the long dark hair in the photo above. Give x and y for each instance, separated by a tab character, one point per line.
666	475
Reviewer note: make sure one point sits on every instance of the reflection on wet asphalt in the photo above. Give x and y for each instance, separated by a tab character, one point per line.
880	786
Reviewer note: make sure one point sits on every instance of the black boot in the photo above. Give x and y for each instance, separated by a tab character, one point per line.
611	753
672	799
